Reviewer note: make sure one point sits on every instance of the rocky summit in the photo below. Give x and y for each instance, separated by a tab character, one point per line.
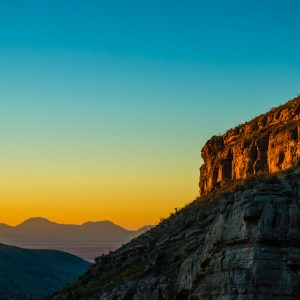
267	144
240	241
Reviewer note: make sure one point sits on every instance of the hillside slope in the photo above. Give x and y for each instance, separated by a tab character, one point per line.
239	241
240	244
31	274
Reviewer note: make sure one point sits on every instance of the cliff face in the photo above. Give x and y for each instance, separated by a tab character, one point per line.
242	245
267	144
238	242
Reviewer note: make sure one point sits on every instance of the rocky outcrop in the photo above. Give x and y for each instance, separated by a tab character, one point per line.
241	241
241	245
267	144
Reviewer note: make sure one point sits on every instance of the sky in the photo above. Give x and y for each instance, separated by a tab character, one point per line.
105	105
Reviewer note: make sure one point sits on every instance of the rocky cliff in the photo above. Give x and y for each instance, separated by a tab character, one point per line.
267	144
238	242
240	245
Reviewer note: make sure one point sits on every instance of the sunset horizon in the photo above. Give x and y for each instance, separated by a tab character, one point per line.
170	193
104	111
150	150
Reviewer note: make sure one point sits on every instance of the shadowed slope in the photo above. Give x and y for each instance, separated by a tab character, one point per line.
241	240
242	243
30	274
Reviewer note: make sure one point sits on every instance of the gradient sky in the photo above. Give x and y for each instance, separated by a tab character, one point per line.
105	105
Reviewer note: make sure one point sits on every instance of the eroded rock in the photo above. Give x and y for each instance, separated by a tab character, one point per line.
267	144
241	245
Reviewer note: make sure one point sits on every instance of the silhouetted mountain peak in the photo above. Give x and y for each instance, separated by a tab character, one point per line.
36	221
98	222
59	236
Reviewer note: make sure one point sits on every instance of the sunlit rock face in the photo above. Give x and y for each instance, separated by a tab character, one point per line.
239	242
267	144
243	244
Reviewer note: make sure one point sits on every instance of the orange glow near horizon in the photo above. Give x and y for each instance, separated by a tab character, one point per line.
104	108
146	207
140	196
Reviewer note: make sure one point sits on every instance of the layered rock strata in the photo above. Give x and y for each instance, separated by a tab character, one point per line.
267	144
241	241
241	245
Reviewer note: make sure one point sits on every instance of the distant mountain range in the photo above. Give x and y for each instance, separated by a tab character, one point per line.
88	240
31	274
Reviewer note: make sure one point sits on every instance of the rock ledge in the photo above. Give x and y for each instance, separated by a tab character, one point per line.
267	144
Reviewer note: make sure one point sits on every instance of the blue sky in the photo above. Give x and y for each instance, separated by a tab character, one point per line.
119	87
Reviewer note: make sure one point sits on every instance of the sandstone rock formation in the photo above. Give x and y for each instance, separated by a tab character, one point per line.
239	242
241	245
267	144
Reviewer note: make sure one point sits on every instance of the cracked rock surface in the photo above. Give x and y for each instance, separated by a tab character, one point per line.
239	241
267	144
239	245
